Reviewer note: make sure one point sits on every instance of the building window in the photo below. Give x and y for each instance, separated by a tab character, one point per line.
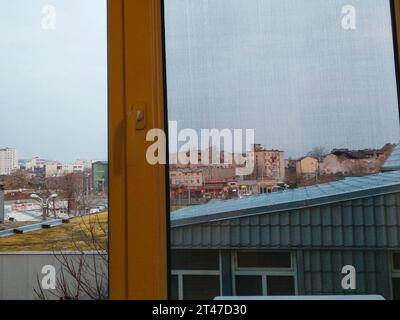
201	287
195	274
396	262
264	274
281	286
396	288
254	259
396	276
174	287
248	286
195	260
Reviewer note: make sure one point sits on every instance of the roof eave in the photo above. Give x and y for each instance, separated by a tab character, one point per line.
288	206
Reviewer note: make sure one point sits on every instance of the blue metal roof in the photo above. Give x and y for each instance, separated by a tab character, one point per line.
393	162
341	190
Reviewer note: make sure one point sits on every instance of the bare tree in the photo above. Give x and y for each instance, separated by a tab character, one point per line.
84	274
69	187
18	179
318	153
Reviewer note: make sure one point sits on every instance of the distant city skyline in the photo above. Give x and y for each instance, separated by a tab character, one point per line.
55	160
49	159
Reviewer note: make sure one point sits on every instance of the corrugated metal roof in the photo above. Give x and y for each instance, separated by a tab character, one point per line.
393	162
342	190
365	223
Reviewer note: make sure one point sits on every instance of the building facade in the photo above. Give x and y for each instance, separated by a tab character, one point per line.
268	164
8	161
192	178
53	169
56	169
100	176
307	167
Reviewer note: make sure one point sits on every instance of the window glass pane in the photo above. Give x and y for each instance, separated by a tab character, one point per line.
396	261
200	287
195	259
247	286
174	287
263	259
280	286
396	288
53	148
280	111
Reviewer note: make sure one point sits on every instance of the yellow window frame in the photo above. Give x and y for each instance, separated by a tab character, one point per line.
138	213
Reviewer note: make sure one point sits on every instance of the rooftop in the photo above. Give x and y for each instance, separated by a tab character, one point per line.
73	236
76	234
341	190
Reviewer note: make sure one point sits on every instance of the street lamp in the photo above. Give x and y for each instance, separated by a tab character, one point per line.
44	203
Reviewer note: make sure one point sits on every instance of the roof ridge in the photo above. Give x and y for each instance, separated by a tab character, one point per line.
288	200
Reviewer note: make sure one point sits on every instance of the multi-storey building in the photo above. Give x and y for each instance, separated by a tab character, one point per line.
210	157
268	164
100	176
8	161
56	169
187	178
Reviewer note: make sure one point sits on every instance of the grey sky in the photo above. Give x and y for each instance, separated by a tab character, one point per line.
283	67
286	68
53	85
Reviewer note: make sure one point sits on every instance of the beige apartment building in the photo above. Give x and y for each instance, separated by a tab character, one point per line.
56	169
268	164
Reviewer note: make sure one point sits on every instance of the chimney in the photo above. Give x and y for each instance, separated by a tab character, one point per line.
1	203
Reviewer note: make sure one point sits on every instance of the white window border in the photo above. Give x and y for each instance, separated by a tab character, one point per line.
264	272
181	273
393	269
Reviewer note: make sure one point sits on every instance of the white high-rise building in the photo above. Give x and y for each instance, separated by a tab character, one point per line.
8	161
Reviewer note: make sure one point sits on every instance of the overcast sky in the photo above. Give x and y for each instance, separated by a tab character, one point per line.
53	84
286	68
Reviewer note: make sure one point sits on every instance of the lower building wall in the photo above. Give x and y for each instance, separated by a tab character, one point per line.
320	272
22	273
316	272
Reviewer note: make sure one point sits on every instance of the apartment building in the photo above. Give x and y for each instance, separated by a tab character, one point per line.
188	178
268	164
57	169
8	160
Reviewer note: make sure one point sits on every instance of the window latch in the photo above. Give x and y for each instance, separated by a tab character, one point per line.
140	116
